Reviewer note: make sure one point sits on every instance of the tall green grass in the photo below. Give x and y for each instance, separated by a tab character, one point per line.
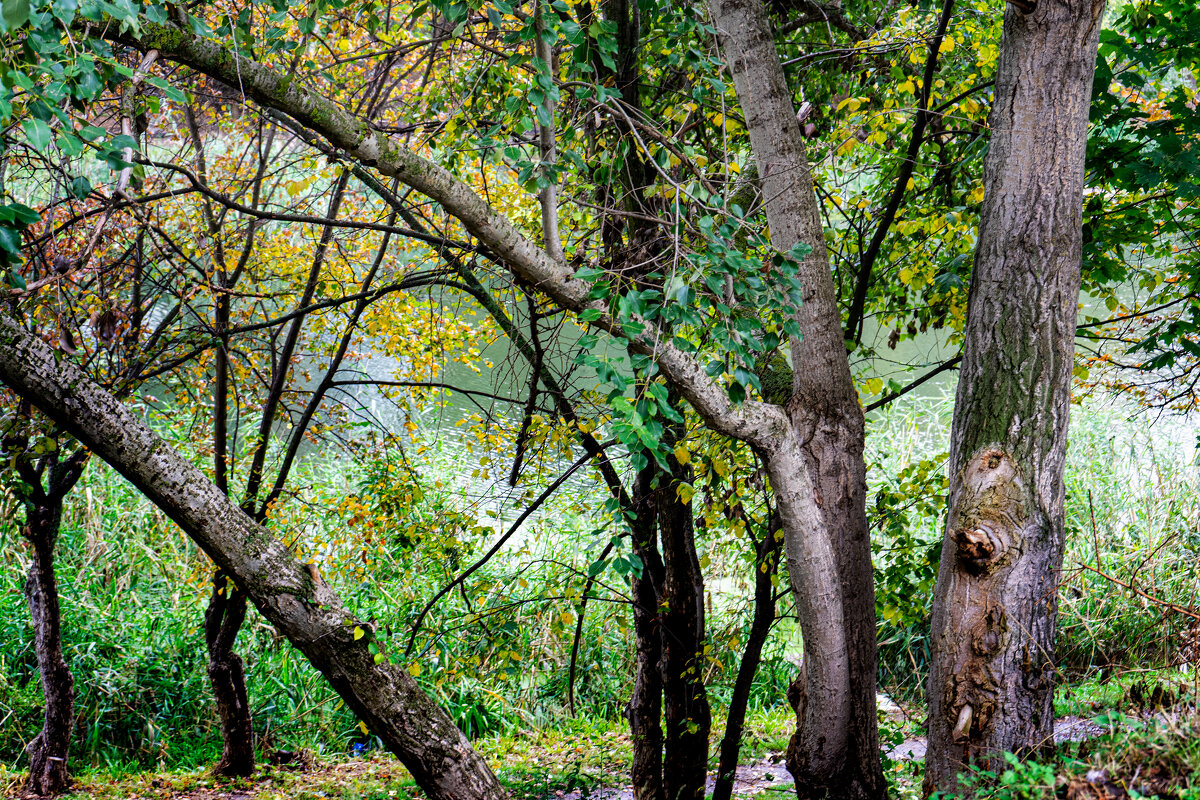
1132	514
134	588
495	653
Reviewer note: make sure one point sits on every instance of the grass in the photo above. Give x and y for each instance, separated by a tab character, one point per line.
1137	757
134	589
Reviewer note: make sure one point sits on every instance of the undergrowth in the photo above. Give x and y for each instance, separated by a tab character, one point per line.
496	651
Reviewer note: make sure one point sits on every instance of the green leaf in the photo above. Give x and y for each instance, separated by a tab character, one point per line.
92	133
10	241
37	131
24	214
16	13
80	187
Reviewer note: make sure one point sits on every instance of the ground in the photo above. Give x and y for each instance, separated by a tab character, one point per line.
1143	742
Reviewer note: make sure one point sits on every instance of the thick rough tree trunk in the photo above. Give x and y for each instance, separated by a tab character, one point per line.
835	751
995	606
303	609
222	620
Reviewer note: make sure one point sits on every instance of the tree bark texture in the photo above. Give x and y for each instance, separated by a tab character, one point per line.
686	711
645	702
835	751
302	608
48	752
48	772
995	605
222	620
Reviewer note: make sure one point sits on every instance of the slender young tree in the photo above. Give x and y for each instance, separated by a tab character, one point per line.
995	607
44	481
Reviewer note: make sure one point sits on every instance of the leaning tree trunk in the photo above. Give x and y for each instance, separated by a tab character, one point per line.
995	605
301	607
222	620
835	751
48	774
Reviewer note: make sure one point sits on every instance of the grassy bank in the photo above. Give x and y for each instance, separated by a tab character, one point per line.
496	653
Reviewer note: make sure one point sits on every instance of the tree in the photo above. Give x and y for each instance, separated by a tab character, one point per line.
995	606
815	580
301	607
811	449
47	469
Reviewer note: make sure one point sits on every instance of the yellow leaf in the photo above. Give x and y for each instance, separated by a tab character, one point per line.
682	455
873	386
358	633
362	726
414	669
684	492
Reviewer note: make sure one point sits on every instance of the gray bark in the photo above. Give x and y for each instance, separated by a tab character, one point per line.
302	608
995	606
835	750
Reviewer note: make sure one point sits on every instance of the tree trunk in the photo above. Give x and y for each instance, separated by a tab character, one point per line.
687	715
300	606
645	703
765	563
835	751
48	774
48	766
222	620
995	605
